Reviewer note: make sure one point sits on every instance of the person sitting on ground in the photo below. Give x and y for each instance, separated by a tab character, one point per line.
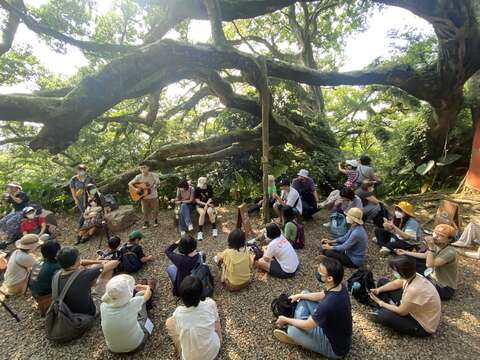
236	262
323	320
10	223
440	263
135	262
365	171
78	184
205	206
185	200
289	196
416	308
34	224
371	205
40	283
404	232
289	223
183	262
124	315
350	170
470	235
351	248
347	200
195	327
94	215
308	193
79	297
113	252
271	189
19	265
280	259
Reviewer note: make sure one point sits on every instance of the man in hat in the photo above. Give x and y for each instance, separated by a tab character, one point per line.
10	223
289	196
307	189
78	185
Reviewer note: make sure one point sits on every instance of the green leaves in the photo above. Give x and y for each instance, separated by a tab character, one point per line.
448	159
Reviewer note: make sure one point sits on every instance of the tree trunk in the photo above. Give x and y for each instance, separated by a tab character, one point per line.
472	179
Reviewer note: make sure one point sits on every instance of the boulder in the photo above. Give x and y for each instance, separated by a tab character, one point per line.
121	218
50	217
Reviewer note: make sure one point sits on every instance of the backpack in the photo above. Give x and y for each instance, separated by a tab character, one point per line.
338	225
358	284
110	202
282	306
61	324
129	261
299	242
202	272
34	272
257	251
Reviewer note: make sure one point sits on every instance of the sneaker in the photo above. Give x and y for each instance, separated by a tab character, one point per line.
327	225
145	225
283	337
190	227
200	236
182	233
384	250
374	239
214	233
155	224
78	241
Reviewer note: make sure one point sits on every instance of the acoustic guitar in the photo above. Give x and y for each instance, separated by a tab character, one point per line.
138	191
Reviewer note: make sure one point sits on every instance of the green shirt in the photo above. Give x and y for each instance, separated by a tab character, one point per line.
43	285
272	190
447	274
290	231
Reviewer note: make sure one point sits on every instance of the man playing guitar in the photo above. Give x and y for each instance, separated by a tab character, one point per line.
145	186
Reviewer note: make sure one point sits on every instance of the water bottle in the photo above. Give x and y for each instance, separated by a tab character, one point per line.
356	286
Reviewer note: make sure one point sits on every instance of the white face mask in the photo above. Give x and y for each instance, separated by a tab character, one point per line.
31	216
398	214
81	173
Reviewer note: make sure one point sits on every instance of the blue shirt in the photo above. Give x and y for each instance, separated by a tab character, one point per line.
353	244
334	315
413	227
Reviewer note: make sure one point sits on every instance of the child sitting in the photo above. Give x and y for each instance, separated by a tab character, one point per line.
131	254
93	218
33	224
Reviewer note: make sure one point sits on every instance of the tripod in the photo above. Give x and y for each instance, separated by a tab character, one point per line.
6	307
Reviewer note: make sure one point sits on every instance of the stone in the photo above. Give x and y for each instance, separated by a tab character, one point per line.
122	218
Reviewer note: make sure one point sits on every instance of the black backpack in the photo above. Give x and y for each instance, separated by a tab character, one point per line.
110	201
129	261
358	284
202	272
282	306
383	213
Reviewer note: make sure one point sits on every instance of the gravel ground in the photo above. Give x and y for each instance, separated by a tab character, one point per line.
246	317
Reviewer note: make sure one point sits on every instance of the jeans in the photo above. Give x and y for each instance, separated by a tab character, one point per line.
185	216
342	257
10	225
384	238
315	339
81	209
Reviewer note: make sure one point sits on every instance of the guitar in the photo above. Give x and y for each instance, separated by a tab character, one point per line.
138	191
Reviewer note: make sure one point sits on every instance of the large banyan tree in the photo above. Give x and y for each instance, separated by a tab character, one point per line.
131	70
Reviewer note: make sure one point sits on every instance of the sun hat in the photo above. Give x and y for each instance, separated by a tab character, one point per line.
356	215
352	163
82	167
303	173
28	242
445	230
406	207
135	234
119	290
15	185
27	210
202	181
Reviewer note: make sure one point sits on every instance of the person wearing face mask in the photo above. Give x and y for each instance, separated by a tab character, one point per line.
10	223
371	205
94	214
440	262
323	320
404	232
410	304
33	224
78	183
351	248
203	196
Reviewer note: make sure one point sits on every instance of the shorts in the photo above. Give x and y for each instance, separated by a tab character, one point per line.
277	271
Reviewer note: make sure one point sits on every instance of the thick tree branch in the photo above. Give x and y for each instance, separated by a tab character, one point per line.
10	28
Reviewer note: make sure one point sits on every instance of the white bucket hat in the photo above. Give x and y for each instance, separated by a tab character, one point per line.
352	163
202	181
303	173
119	290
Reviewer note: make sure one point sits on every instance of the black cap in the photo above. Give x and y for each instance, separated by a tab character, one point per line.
284	182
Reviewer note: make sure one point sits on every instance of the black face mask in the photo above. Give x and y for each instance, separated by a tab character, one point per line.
319	277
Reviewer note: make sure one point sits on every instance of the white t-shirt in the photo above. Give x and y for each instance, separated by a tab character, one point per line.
17	267
291	198
120	325
281	249
153	181
196	330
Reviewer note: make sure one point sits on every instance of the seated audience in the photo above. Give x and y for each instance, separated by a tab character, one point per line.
403	232
79	297
205	206
410	304
289	196
272	189
351	248
185	201
439	264
471	234
133	263
280	259
350	170
371	205
93	216
40	283
289	224
124	315
78	184
10	223
19	265
308	193
236	262
323	320
365	171
113	251
34	224
183	261
195	327
346	200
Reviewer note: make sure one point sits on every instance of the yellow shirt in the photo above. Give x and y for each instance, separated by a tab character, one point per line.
236	266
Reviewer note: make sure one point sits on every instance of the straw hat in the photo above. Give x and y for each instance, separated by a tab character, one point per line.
119	290
445	230
28	242
303	173
406	207
356	215
14	185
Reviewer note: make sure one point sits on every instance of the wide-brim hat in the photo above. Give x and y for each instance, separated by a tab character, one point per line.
303	173
28	242
445	230
119	290
406	207
356	215
352	163
15	185
82	167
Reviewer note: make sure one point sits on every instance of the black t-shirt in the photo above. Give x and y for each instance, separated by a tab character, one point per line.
203	194
16	206
79	296
334	316
136	249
